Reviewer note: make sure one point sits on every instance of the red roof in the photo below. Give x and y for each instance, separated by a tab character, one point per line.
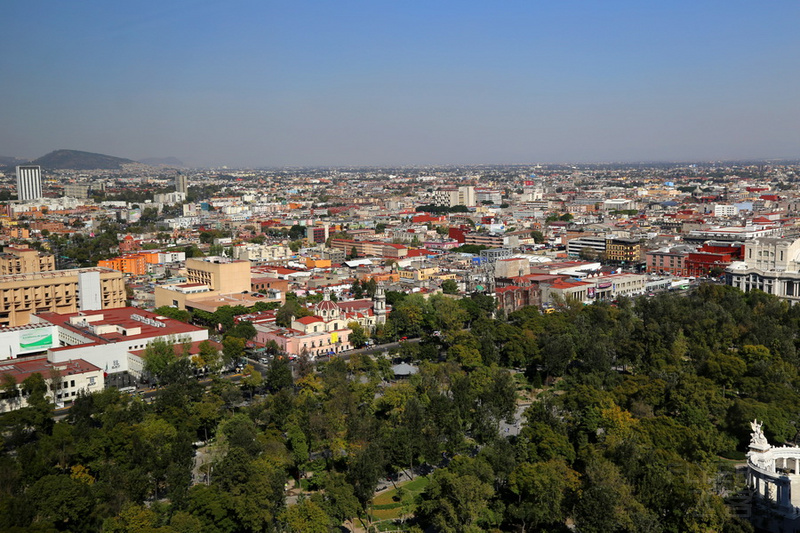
23	368
122	317
309	320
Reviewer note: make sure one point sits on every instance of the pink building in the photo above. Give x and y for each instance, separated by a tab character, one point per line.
310	334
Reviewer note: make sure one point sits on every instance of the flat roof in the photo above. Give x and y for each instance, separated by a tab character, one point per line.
23	368
125	317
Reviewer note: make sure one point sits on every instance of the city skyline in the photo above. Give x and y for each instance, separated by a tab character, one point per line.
266	84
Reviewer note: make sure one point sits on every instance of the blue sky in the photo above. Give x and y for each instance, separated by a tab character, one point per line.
260	83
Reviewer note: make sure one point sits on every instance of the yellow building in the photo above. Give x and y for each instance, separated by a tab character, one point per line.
624	250
25	261
58	291
419	274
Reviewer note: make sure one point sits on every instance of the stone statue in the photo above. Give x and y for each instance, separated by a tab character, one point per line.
757	438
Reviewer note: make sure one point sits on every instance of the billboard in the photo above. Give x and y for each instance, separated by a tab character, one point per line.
34	340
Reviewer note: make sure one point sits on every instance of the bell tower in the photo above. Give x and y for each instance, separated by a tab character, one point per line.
379	304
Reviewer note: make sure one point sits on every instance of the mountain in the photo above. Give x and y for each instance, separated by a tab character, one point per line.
6	161
77	160
162	162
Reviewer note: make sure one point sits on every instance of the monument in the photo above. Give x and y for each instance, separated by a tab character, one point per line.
773	473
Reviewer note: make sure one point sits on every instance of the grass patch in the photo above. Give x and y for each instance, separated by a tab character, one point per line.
384	506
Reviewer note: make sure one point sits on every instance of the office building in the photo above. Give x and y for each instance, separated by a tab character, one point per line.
29	182
453	196
59	291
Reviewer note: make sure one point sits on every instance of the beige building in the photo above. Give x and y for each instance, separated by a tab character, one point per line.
262	252
25	261
219	273
213	282
58	291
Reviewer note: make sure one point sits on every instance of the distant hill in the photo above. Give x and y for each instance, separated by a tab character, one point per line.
7	161
162	162
77	160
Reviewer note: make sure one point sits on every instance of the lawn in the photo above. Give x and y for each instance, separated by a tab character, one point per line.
385	507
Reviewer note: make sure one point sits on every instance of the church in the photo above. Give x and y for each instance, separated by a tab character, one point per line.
326	332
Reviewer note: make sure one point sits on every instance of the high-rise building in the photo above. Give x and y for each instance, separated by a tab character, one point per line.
181	183
29	182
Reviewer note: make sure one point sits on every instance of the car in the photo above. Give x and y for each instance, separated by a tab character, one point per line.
264	361
403	339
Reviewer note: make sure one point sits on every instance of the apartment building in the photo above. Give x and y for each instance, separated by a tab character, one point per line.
620	250
24	261
668	260
370	248
134	264
58	291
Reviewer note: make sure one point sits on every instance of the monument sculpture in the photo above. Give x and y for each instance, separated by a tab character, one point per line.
773	472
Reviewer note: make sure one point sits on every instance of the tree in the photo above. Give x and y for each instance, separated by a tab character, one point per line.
251	379
63	501
543	491
244	330
297	232
449	286
158	356
232	349
279	374
171	312
306	517
457	497
356	290
358	337
353	253
537	236
208	356
290	309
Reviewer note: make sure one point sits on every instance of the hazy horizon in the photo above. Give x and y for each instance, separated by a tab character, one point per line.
266	84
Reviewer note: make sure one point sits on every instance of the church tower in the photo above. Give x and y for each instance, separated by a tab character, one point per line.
379	304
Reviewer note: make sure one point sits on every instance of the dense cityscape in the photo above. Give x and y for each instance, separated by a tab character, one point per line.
498	294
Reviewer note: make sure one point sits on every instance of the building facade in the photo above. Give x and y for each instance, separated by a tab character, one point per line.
58	291
771	265
25	261
65	380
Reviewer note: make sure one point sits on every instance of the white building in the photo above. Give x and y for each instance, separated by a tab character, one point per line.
452	196
106	338
771	265
26	340
262	252
65	379
29	182
725	210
